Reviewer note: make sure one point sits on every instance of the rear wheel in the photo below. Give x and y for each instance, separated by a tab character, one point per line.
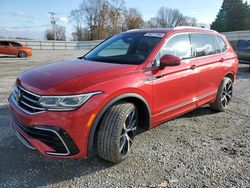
117	130
22	54
224	95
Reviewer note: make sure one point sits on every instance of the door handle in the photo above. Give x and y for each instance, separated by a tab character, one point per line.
160	76
192	67
222	60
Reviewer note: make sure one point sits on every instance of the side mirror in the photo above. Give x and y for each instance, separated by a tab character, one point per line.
169	60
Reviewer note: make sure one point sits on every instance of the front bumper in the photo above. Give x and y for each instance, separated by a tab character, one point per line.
68	131
57	141
29	52
22	138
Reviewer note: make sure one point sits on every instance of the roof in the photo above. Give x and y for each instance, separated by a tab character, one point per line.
8	41
179	28
155	30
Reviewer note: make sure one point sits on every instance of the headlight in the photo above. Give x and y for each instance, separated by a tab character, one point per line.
65	103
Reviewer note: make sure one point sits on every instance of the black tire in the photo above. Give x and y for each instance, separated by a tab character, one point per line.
22	54
224	95
117	130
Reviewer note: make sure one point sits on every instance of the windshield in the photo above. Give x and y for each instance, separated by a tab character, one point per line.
125	48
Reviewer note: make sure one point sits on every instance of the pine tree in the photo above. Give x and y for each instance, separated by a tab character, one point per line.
234	15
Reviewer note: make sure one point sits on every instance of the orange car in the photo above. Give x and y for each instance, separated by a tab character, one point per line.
14	48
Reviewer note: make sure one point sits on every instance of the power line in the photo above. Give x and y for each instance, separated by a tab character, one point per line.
188	8
24	27
193	8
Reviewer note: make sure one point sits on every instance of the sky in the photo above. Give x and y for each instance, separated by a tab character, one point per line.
30	18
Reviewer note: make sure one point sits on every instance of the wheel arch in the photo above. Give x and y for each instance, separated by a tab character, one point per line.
134	98
22	51
231	75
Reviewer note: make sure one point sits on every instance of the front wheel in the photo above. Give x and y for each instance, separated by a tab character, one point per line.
224	95
22	54
117	130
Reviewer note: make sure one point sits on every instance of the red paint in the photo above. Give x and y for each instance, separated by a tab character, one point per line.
170	60
162	89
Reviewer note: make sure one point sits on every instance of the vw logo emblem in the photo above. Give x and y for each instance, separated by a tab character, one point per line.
18	95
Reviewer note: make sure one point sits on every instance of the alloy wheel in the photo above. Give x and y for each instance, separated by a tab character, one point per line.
128	133
227	94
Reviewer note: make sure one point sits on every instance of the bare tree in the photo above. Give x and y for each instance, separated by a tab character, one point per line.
49	35
169	18
96	17
60	33
116	12
132	19
101	18
190	21
152	23
102	25
77	17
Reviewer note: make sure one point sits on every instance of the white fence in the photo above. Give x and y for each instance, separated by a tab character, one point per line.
87	45
58	45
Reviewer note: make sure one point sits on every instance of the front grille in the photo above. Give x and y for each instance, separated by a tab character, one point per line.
27	100
54	137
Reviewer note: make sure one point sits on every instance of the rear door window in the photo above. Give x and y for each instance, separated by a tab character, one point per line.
222	44
204	45
15	44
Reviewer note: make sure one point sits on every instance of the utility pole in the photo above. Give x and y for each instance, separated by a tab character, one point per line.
53	22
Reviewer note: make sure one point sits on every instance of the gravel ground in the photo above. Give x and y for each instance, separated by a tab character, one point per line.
199	149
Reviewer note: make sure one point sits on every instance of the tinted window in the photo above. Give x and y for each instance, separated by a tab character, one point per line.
243	45
146	45
125	48
4	43
119	47
222	43
15	44
205	45
178	46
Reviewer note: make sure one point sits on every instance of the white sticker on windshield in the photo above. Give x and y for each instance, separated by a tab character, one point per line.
160	35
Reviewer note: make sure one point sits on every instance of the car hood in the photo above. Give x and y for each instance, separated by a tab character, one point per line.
70	77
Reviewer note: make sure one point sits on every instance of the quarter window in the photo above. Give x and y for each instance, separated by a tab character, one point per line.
222	43
205	45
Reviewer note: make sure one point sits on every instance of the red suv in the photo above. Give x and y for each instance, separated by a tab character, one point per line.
128	84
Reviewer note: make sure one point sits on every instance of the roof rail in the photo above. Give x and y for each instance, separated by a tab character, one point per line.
191	27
